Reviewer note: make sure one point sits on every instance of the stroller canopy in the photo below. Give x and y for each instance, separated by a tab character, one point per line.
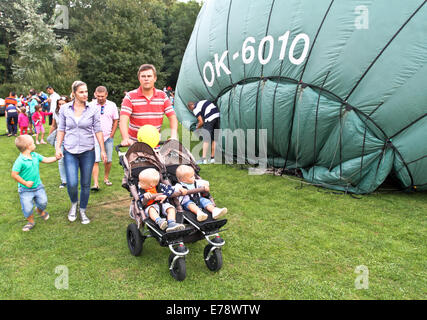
338	86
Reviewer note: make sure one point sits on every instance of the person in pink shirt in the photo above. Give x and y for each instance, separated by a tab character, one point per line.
39	120
23	121
109	121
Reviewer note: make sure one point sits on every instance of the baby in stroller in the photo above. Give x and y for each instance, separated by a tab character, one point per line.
158	207
195	202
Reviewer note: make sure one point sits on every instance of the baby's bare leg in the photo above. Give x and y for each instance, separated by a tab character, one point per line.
210	207
153	214
201	216
193	208
171	213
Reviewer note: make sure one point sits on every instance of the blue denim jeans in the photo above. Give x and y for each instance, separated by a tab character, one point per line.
73	162
61	166
29	197
204	202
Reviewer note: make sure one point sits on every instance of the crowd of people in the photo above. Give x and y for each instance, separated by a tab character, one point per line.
82	133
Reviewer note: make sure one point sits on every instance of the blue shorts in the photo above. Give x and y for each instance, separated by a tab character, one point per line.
109	146
204	202
29	197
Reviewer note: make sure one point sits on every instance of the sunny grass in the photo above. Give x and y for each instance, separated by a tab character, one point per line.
282	242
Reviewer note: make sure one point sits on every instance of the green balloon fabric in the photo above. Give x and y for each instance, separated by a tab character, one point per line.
338	86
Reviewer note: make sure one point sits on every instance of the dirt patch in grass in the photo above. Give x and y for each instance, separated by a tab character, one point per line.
119	207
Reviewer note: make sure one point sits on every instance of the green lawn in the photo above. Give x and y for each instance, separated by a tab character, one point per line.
282	242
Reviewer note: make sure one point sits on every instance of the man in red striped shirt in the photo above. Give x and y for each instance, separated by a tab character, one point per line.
145	105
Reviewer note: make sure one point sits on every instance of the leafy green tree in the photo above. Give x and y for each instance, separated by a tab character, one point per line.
181	19
36	42
60	73
113	40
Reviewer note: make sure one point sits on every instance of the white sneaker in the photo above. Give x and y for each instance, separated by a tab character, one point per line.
201	216
212	160
218	212
84	218
72	216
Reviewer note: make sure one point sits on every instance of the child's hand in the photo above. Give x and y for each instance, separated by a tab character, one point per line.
161	198
205	184
28	184
58	154
147	195
183	191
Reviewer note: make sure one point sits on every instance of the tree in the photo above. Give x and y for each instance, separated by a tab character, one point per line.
113	40
181	19
36	42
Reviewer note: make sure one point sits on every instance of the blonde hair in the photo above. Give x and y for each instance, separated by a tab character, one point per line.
22	142
75	86
183	170
149	175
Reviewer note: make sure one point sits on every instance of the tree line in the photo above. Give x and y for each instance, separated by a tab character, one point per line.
101	42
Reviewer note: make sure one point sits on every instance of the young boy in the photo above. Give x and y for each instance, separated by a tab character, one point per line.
30	188
148	185
187	181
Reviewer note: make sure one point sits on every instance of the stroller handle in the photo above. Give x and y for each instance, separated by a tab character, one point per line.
117	148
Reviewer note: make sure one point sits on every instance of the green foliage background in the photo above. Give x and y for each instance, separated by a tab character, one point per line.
106	43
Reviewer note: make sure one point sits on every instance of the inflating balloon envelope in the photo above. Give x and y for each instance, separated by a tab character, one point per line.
339	87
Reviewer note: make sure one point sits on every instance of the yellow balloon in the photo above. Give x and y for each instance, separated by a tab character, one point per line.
149	135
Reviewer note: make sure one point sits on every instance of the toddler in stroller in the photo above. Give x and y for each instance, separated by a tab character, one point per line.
157	208
187	181
138	163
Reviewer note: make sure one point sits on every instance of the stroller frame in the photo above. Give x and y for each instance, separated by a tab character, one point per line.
140	156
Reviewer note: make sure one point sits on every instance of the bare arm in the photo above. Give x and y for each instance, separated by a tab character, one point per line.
100	138
59	140
123	126
113	131
49	159
53	126
200	123
15	176
173	123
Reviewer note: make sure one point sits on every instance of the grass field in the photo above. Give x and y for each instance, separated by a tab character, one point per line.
282	242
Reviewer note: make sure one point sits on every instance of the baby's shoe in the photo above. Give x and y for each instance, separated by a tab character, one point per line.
162	223
173	226
201	216
218	212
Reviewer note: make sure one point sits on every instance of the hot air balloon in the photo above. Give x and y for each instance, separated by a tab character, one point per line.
339	87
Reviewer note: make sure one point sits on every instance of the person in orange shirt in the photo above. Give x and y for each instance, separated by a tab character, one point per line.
149	185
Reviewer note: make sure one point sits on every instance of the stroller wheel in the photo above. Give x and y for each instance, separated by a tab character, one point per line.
135	239
178	269
213	258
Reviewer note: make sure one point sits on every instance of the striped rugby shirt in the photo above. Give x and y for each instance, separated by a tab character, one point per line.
142	111
207	110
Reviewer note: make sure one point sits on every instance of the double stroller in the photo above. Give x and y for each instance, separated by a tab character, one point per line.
172	154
